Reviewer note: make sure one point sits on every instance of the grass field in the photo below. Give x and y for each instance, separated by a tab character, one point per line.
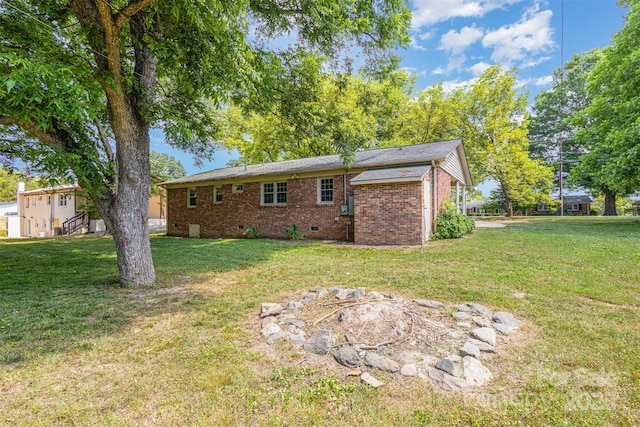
75	349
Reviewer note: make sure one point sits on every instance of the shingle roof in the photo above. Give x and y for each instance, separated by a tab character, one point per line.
57	188
383	157
577	199
401	174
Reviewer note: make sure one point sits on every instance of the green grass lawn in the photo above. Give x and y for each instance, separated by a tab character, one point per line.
75	349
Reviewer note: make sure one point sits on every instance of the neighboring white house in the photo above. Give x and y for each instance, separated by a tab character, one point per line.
46	211
8	213
59	210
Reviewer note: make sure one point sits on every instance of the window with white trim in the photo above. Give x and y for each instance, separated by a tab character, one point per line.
574	207
37	223
44	223
191	198
274	193
325	190
27	203
63	199
237	188
543	207
217	195
49	200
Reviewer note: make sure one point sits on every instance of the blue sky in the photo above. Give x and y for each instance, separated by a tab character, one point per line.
453	41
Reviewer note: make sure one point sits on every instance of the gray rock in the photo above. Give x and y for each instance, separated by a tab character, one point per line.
483	322
294	306
296	331
461	315
383	350
266	321
505	322
375	361
428	303
475	308
308	296
487	335
375	295
293	322
446	365
322	292
409	370
475	372
350	293
274	338
414	357
270	309
482	346
451	365
469	349
347	356
270	329
448	382
466	325
295	340
503	329
369	379
505	318
320	342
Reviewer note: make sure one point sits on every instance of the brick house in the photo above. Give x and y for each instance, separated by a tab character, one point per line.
386	196
579	204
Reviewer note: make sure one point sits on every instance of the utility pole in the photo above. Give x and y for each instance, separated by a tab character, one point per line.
560	178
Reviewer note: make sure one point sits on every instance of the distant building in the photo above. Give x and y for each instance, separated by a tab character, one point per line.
61	210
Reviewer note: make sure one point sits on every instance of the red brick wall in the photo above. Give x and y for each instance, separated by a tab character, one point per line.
389	214
224	219
444	189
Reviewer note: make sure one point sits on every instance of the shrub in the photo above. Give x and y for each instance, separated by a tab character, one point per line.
450	225
251	233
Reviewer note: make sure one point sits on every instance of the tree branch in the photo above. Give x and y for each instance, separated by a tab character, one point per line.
105	142
8	120
128	11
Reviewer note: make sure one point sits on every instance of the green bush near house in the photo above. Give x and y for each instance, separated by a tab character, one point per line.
450	225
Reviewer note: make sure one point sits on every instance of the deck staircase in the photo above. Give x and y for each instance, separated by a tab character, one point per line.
76	223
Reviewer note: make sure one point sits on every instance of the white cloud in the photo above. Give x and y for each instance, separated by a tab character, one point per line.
538	81
417	71
479	68
414	45
456	63
429	12
439	71
532	62
452	85
427	35
456	42
518	42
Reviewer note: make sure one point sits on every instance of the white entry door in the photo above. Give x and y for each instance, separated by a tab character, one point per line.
426	185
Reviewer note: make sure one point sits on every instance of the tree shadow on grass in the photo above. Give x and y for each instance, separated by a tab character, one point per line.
56	293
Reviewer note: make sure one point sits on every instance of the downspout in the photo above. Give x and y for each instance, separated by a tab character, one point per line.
346	202
344	187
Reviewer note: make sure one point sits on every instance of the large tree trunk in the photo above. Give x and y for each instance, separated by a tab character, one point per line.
610	204
125	210
126	214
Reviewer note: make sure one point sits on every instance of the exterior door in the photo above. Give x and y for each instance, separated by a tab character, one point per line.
426	186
